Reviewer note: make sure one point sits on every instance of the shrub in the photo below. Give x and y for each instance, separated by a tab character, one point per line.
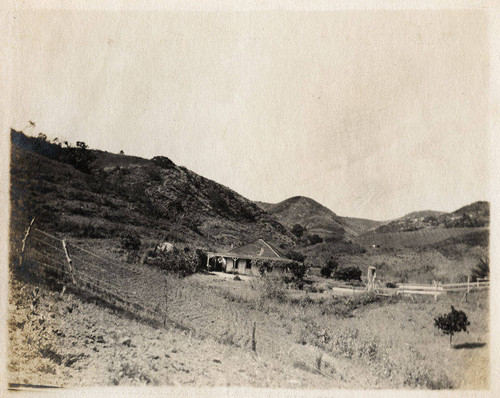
481	271
329	268
314	239
298	230
347	273
130	242
177	261
298	270
296	256
452	322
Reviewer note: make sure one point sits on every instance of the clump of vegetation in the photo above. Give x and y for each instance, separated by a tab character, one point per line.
296	256
329	268
481	271
314	239
453	322
298	230
348	273
182	262
130	242
298	270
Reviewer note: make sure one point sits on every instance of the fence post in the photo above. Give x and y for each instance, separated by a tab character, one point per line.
69	261
166	302
254	343
25	240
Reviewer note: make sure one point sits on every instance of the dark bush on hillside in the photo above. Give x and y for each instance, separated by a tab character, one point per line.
452	322
391	285
348	273
163	162
130	242
298	270
298	230
296	256
481	271
314	239
329	268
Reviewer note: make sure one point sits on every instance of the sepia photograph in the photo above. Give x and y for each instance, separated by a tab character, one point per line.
264	198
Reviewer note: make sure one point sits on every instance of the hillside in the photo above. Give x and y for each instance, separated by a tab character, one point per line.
361	225
314	217
95	194
475	215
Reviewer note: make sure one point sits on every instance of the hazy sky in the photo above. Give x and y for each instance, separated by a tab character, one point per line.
372	113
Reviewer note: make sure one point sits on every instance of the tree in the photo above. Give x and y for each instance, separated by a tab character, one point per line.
347	273
481	271
329	268
298	230
452	322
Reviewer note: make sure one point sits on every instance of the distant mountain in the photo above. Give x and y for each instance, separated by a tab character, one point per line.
421	214
93	194
314	217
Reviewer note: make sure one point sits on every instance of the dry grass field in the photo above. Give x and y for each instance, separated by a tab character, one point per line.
333	342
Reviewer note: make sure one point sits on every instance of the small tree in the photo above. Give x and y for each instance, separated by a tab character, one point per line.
329	268
452	322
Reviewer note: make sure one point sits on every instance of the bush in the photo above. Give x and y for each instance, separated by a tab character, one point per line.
329	268
130	242
298	270
348	273
296	256
452	322
314	239
177	261
481	271
298	230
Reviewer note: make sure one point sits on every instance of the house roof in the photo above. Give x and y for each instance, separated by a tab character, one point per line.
257	249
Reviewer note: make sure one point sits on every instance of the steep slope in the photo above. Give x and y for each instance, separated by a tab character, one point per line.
155	199
314	217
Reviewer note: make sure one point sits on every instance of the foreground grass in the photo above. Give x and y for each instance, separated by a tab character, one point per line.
336	342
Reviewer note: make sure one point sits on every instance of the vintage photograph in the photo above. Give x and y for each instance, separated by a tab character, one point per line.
262	198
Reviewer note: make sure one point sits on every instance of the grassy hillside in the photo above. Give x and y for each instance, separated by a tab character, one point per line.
314	217
361	225
112	194
474	215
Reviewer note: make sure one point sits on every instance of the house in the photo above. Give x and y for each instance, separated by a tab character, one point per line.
247	259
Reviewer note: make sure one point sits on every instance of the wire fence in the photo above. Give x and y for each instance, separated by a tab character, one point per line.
149	294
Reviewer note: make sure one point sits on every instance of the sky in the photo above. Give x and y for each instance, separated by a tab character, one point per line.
374	114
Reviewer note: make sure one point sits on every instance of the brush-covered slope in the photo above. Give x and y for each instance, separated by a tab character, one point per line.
314	217
471	216
97	194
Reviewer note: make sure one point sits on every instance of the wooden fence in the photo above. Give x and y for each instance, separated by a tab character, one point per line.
436	289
